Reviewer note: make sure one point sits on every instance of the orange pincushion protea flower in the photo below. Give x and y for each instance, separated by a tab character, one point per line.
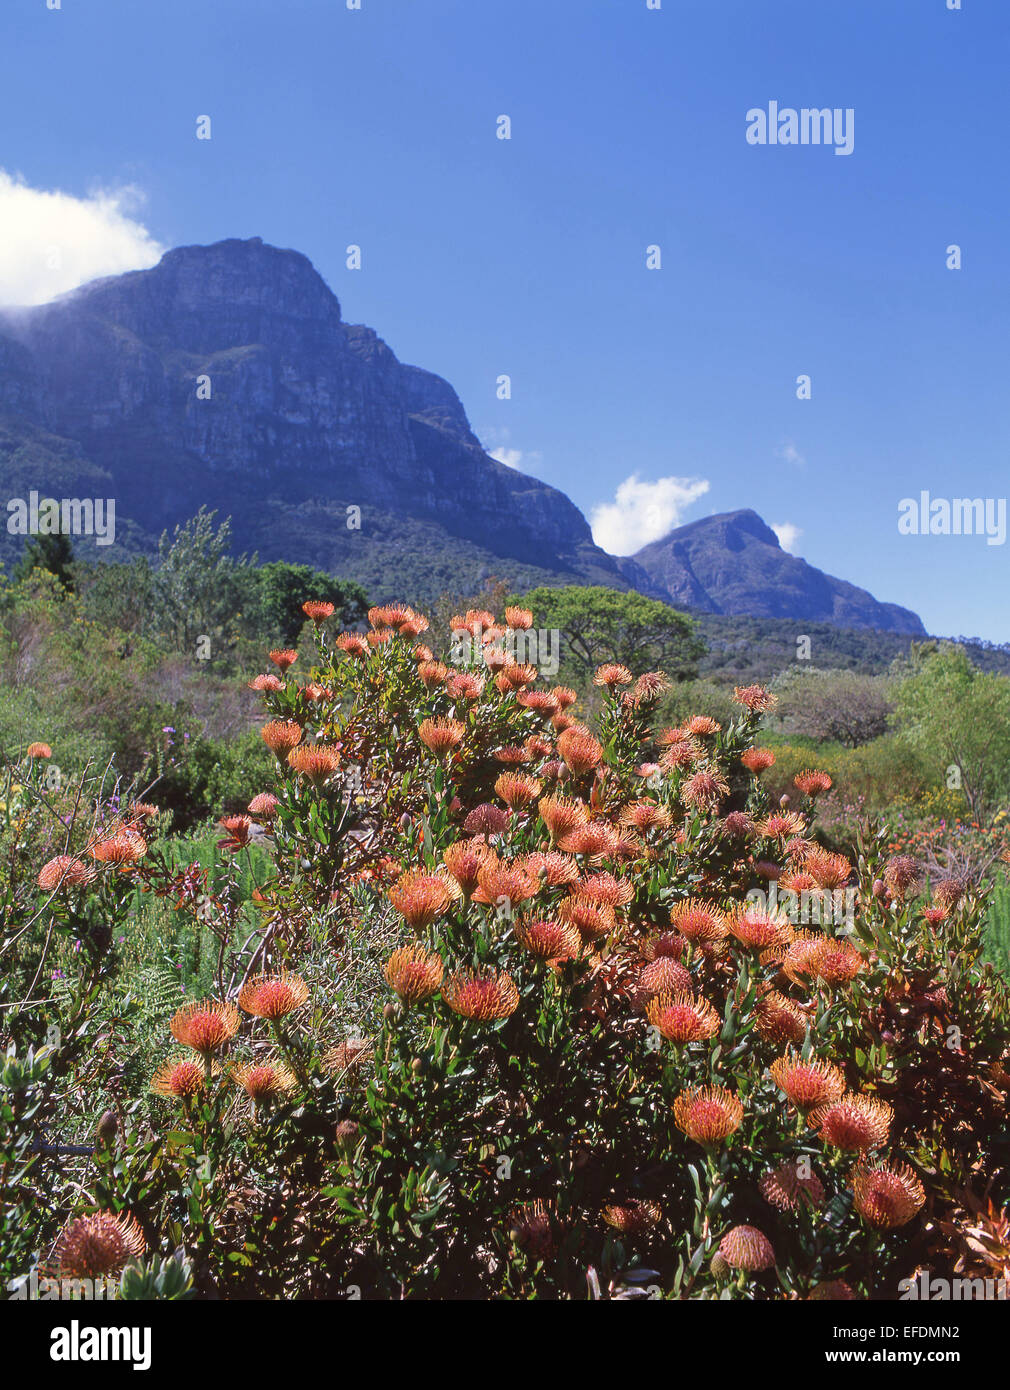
380	636
754	697
579	750
702	726
707	1114
757	929
317	610
606	890
414	973
179	1078
564	695
432	673
93	1246
780	825
634	1217
779	1019
486	819
757	759
551	941
464	860
644	816
481	997
553	869
745	1247
280	736
698	921
512	755
790	1188
263	804
812	783
205	1025
266	682
665	975
611	673
561	816
827	870
538	700
421	897
38	750
519	618
704	790
264	1080
124	848
317	763
464	685
273	996
441	735
596	840
593	920
284	658
681	1018
238	830
681	752
807	1083
475	621
798	960
887	1197
64	872
835	960
353	644
497	880
854	1123
517	790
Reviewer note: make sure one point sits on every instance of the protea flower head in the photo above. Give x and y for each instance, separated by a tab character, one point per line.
564	695
632	1217
441	736
93	1246
812	783
414	973
754	697
432	673
757	760
757	929
353	644
681	750
268	682
513	755
607	890
779	1019
284	658
886	1196
264	1080
481	996
205	1026
787	1188
681	1018
664	943
707	1114
949	892
592	920
745	1247
561	816
475	621
836	960
519	619
698	921
464	860
498	879
486	819
38	750
553	869
596	840
579	750
645	816
517	790
263	804
280	736
549	941
178	1078
807	1082
704	789
854	1123
612	673
738	825
421	897
516	675
317	764
237	831
664	975
123	848
464	685
702	726
780	825
826	869
317	610
273	996
64	872
533	1229
902	875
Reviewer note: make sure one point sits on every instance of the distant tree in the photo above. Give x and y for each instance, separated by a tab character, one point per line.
275	593
599	625
54	553
198	585
117	595
959	718
833	706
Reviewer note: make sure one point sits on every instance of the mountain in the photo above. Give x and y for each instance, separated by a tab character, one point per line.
226	377
733	563
100	396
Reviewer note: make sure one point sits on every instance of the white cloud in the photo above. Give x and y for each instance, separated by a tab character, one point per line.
52	242
790	453
643	512
788	535
510	457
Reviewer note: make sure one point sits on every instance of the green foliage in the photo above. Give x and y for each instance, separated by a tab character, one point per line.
275	598
844	707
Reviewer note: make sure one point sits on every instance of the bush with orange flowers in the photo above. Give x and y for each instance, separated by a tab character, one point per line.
621	1021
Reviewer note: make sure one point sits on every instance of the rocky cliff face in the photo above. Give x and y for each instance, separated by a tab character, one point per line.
306	416
733	563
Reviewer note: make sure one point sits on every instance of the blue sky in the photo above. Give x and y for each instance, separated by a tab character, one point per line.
528	256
